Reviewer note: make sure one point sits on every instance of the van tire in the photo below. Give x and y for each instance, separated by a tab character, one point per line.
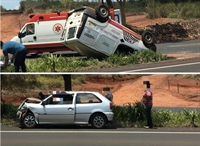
153	47
102	13
147	38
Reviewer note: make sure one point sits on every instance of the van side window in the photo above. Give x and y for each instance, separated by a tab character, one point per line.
83	98
117	18
30	29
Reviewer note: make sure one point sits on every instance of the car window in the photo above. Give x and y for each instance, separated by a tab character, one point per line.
61	99
82	98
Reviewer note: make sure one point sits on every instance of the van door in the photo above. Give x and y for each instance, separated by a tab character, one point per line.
42	29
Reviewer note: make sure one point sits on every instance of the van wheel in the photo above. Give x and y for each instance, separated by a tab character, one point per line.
147	38
98	121
28	121
102	13
153	47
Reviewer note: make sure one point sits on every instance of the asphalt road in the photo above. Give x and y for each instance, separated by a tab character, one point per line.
14	136
183	47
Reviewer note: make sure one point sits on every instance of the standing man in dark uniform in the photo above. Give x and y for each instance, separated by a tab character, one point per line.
19	54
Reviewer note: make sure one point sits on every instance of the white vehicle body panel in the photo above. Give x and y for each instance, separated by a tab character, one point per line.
99	39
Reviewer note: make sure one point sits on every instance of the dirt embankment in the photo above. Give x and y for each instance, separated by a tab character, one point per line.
166	29
168	90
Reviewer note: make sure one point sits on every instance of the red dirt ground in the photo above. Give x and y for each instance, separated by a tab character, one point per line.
129	89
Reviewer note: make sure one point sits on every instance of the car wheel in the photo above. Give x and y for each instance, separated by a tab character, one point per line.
98	121
29	121
102	13
147	38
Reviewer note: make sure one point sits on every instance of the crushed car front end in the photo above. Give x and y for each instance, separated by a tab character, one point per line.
24	107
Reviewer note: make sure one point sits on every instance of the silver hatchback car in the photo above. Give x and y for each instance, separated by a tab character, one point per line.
68	107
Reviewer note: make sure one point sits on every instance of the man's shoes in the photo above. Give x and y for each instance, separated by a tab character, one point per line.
148	127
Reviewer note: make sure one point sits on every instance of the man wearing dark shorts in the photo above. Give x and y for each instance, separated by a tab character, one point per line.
19	55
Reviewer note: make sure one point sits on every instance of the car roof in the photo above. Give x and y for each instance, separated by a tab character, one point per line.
72	92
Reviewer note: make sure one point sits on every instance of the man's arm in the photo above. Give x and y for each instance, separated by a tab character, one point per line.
5	62
12	59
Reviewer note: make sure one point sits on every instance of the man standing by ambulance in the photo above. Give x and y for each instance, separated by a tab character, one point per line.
147	101
19	55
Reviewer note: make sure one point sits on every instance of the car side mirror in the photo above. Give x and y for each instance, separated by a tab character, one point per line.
44	103
21	35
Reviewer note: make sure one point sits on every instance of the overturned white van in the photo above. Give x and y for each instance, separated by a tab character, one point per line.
93	33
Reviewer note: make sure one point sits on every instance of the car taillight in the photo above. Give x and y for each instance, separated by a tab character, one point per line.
111	105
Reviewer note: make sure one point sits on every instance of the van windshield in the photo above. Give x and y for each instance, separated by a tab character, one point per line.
71	32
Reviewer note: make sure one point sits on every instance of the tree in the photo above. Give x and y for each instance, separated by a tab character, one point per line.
109	3
2	9
67	82
122	10
121	6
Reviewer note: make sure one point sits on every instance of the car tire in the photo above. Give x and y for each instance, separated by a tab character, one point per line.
102	13
28	121
147	38
98	121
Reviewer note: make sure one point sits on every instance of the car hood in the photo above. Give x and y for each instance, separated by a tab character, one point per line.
30	100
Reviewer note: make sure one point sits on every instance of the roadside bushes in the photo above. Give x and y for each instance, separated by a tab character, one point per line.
54	63
8	111
185	10
129	115
133	115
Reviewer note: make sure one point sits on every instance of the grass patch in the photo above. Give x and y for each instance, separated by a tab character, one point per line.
54	63
36	82
186	10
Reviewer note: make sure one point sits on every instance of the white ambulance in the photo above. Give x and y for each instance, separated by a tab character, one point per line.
93	33
42	33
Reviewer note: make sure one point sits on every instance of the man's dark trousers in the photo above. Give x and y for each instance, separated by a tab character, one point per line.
148	115
20	60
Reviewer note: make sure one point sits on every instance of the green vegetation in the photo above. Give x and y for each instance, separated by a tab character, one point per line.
132	115
36	82
52	63
185	10
8	111
155	8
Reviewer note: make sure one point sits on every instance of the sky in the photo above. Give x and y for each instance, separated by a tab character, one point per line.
10	4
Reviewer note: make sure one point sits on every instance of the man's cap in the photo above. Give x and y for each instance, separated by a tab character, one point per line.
1	43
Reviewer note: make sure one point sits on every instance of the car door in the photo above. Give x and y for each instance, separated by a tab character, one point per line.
58	111
86	104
